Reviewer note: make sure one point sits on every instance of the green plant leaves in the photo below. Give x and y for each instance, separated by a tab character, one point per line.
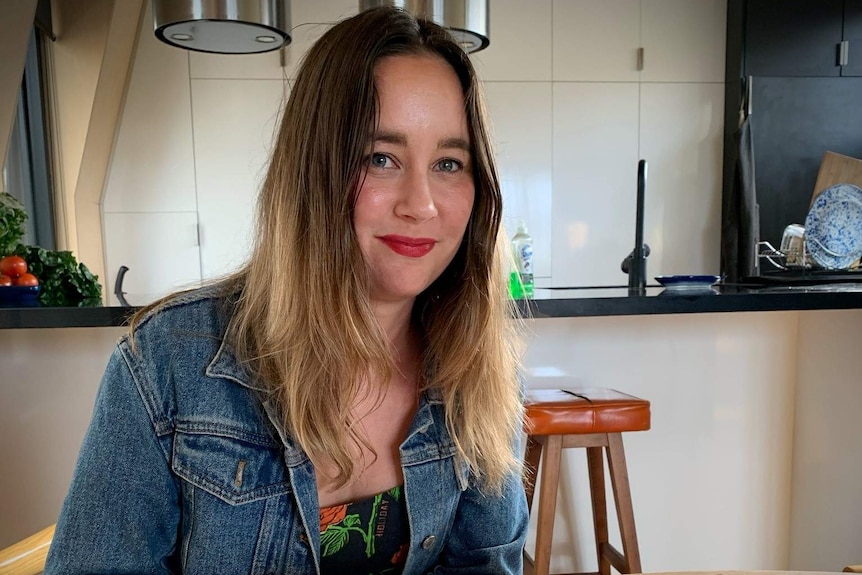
64	281
12	219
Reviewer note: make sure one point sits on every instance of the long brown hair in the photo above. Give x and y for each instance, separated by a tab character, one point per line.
303	323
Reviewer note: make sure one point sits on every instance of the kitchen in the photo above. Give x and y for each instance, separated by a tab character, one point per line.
750	460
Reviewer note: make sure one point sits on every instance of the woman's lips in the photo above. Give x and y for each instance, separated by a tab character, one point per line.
410	247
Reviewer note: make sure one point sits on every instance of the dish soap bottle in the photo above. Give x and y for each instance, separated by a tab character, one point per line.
521	285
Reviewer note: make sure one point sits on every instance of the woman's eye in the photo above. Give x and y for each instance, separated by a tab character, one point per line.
449	165
379	160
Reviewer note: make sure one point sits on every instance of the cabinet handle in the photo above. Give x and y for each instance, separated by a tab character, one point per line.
640	59
749	95
843	53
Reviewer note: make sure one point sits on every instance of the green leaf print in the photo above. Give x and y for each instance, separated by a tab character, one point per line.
337	535
369	537
333	539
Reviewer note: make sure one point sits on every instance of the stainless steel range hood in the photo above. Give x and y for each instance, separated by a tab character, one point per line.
223	26
467	20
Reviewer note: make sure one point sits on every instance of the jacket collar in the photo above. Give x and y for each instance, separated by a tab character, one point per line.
425	439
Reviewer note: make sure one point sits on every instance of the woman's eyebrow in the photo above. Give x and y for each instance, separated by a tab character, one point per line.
397	138
458	143
400	139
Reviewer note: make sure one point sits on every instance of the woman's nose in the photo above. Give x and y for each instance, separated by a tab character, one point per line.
415	198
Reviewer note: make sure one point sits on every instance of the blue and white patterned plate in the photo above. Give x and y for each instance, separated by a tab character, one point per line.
833	227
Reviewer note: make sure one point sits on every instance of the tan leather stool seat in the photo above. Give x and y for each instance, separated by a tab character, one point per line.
593	419
592	410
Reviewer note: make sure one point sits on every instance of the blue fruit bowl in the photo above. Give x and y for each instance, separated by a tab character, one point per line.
19	296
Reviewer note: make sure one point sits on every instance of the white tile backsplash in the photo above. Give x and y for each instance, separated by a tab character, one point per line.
571	116
235	125
520	48
595	167
160	250
683	40
596	41
524	154
152	165
681	132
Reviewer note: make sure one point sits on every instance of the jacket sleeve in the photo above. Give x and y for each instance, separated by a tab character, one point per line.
121	514
488	534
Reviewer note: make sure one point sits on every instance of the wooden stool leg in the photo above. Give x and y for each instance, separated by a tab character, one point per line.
600	507
531	461
623	498
553	453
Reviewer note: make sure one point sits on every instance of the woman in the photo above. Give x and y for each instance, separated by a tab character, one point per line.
347	402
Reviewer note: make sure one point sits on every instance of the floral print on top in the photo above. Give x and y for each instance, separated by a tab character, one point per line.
367	536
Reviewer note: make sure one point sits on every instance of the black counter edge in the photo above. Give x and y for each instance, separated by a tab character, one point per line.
28	318
61	317
683	304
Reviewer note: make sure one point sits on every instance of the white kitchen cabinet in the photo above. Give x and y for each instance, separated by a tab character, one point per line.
595	167
521	115
520	48
681	131
596	41
571	117
309	20
160	250
683	40
152	165
234	128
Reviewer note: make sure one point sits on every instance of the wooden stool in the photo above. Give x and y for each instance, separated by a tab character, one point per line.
592	418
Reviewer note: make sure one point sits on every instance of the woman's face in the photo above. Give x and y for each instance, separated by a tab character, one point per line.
417	187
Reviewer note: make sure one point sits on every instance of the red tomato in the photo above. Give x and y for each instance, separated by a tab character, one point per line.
13	266
26	280
5	281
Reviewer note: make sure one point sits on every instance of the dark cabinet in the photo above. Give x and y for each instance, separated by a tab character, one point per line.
804	102
853	37
795	121
793	37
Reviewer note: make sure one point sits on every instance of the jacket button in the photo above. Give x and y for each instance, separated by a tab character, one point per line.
428	542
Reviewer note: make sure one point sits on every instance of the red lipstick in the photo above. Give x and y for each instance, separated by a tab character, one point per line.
409	247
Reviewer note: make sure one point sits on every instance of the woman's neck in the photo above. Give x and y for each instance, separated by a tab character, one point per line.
395	318
405	341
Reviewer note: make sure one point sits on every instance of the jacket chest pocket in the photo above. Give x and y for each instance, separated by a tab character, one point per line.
233	491
233	470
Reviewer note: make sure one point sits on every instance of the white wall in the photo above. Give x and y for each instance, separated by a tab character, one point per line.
571	114
826	525
48	384
711	480
724	479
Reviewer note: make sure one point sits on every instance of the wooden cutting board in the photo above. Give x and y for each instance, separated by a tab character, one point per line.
837	169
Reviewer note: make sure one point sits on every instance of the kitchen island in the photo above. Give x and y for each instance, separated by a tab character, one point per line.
751	462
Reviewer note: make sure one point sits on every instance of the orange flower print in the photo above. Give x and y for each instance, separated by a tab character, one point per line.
332	515
400	557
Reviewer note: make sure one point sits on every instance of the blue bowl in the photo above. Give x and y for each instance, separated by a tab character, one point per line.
19	296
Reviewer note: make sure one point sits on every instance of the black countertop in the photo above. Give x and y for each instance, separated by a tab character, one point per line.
570	302
602	301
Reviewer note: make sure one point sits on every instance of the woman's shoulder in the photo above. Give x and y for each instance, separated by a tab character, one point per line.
177	320
205	307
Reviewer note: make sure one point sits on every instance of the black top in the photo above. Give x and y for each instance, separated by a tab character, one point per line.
367	536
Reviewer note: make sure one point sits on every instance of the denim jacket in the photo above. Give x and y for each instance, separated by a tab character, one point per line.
185	470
